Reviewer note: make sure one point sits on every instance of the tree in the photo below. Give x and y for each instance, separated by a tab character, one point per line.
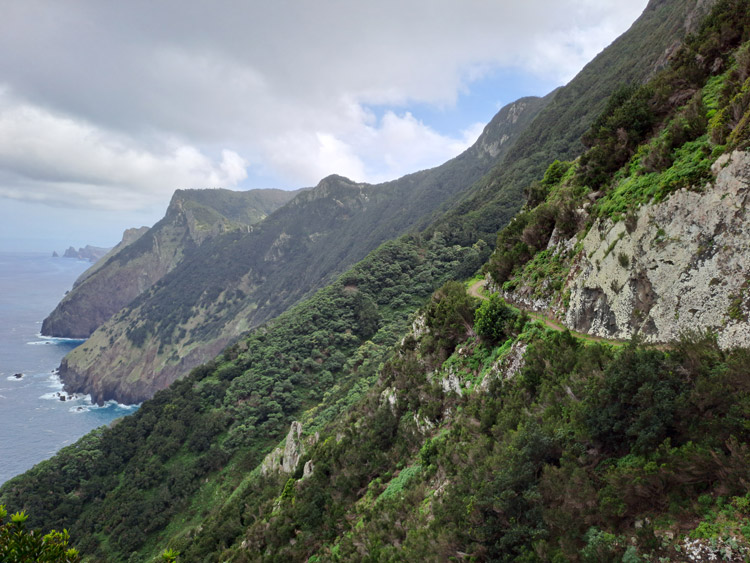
450	315
494	320
19	545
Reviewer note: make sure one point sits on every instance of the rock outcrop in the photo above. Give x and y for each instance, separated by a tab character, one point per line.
286	459
88	252
682	266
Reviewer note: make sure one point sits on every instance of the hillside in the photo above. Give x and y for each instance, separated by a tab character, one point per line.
183	323
556	133
237	280
144	256
394	416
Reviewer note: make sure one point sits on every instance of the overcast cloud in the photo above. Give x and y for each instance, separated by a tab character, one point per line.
114	105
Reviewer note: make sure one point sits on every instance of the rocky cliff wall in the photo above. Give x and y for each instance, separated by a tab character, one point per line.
681	265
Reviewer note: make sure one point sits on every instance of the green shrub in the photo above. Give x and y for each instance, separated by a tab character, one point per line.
19	545
494	319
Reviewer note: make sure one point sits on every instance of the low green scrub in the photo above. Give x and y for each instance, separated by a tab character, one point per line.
556	463
691	168
118	488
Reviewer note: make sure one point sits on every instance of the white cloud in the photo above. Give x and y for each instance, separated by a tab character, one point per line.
54	159
371	151
116	104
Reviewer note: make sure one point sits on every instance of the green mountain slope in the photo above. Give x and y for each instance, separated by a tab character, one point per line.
235	281
556	133
464	429
143	258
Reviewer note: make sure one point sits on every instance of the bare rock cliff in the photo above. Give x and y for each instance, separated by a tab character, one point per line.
681	265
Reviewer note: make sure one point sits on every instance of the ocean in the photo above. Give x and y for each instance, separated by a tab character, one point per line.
34	421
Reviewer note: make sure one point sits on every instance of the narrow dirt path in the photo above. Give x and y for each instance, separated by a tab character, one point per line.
477	290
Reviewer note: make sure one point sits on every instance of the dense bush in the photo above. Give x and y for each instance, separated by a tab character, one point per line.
449	316
19	545
494	319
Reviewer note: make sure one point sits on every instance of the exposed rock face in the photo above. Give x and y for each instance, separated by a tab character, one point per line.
145	256
501	130
293	448
451	382
136	263
508	366
90	253
683	267
308	469
286	459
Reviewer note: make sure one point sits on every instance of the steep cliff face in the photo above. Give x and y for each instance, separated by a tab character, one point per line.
88	252
129	236
646	232
556	131
681	266
144	256
236	281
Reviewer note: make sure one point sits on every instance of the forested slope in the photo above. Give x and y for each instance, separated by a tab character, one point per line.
235	281
430	428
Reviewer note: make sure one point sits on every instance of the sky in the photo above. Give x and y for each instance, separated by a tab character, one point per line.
106	108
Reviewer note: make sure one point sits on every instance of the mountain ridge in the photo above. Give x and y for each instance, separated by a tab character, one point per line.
143	257
423	425
240	279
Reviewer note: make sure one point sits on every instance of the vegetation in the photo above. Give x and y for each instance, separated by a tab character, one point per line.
19	545
238	280
475	434
118	487
589	453
127	271
649	141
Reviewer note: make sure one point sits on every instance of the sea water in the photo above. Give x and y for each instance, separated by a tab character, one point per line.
34	421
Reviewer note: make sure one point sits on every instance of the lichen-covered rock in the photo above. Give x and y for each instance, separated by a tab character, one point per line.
308	469
507	366
451	382
389	396
285	459
681	265
293	448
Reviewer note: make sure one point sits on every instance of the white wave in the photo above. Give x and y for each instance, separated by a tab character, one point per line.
14	378
54	340
79	402
89	406
127	407
54	381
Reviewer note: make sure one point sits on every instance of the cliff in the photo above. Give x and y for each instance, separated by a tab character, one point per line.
681	266
144	255
236	280
482	432
645	234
